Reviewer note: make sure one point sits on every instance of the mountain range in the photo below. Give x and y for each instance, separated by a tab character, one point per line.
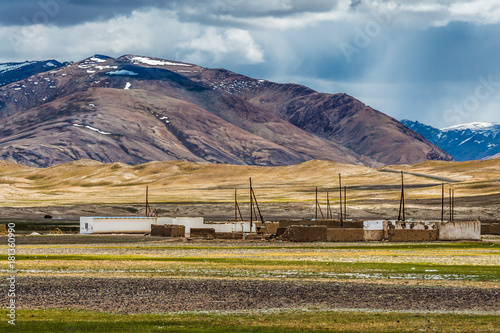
16	71
136	109
472	141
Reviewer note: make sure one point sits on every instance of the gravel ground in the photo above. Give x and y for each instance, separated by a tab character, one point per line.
148	295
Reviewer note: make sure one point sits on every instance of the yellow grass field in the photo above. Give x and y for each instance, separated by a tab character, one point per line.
90	182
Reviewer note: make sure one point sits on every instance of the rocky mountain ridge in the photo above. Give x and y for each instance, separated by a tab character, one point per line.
16	71
136	109
472	141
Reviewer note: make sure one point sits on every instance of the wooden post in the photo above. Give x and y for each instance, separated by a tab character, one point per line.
147	202
316	205
453	205
403	193
402	214
451	212
251	205
328	206
341	208
442	202
345	202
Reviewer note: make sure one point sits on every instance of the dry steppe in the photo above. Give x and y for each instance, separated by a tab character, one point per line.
186	188
87	281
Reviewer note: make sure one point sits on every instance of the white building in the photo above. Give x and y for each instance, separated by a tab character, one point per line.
116	225
140	225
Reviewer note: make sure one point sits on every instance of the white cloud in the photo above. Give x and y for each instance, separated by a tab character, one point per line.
479	11
152	32
424	14
231	42
294	14
441	12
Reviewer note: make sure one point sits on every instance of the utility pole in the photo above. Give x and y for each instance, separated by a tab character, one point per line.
328	210
316	205
402	200
345	202
450	204
341	208
257	205
237	207
251	205
253	199
147	202
453	204
442	202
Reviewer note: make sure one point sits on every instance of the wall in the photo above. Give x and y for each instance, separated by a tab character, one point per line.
109	225
373	225
345	235
327	223
490	228
463	230
412	235
373	235
272	227
86	225
197	222
167	230
157	230
202	232
307	233
446	231
494	228
228	235
417	225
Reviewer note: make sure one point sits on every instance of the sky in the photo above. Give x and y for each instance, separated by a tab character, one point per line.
435	61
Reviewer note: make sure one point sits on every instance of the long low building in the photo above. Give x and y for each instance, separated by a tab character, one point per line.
140	225
110	225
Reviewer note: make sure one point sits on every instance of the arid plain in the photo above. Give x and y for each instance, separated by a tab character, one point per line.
109	282
201	189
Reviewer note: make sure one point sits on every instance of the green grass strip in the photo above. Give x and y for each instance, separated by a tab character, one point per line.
75	321
362	246
468	272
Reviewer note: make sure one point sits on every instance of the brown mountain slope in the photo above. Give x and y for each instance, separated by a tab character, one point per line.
338	117
138	109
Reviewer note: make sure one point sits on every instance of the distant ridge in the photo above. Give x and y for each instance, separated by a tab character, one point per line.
472	141
16	71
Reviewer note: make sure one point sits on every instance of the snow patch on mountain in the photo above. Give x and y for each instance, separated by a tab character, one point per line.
122	72
92	129
97	59
153	62
474	127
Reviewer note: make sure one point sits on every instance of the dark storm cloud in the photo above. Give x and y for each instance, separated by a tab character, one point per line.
73	12
68	12
420	62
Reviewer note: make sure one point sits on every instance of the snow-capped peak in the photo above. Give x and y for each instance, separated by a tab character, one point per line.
474	127
12	66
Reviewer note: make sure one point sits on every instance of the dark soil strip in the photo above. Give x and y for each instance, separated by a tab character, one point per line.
132	295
